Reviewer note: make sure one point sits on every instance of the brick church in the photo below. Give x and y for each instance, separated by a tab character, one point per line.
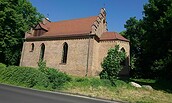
76	46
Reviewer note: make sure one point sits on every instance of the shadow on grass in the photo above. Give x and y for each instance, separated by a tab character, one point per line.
159	84
165	85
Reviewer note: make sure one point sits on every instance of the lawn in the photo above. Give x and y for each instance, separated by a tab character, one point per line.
123	91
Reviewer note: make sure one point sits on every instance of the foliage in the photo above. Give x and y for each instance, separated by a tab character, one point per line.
32	77
112	64
55	77
134	33
16	17
158	38
42	65
151	39
133	62
2	65
26	76
162	67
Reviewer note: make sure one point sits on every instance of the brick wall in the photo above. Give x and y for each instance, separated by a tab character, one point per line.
76	59
80	59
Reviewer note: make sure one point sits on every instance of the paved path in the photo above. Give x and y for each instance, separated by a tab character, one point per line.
11	94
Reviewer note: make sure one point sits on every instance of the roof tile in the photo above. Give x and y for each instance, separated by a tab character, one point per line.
67	27
106	36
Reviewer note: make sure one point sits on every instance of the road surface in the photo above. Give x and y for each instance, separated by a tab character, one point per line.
12	94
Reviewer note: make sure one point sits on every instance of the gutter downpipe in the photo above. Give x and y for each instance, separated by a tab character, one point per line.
22	55
88	52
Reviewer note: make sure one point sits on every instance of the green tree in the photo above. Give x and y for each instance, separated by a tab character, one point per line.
158	34
112	64
134	33
16	17
151	39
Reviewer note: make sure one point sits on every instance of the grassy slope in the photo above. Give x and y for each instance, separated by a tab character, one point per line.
94	87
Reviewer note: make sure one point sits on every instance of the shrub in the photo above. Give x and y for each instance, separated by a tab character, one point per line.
112	64
2	65
162	67
56	78
42	65
26	76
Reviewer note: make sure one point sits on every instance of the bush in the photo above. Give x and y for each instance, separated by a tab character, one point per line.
2	65
43	77
112	64
26	76
42	65
162	68
56	78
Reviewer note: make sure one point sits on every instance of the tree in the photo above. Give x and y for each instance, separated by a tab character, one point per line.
158	35
16	17
151	39
134	33
112	64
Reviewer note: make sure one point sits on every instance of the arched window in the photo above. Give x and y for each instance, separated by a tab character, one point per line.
41	57
124	61
32	47
122	49
64	53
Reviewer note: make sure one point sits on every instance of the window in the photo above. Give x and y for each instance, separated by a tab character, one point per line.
104	21
32	47
41	57
122	49
64	53
124	61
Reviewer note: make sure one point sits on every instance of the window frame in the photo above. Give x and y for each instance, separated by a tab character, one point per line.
32	47
64	53
42	52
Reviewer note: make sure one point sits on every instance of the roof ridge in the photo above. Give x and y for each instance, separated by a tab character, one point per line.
74	19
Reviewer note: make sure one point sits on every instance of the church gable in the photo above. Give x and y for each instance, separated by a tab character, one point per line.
100	25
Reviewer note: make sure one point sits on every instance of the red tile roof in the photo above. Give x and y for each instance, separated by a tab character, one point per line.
106	36
43	26
73	28
70	27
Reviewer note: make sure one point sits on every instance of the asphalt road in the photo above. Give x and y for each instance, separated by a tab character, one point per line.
11	94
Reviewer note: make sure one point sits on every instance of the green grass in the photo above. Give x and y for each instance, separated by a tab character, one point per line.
123	91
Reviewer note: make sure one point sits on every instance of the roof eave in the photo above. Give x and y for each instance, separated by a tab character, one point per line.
113	40
57	37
